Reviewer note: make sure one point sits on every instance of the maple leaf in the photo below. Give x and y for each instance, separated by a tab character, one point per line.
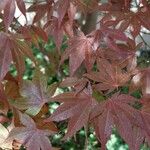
115	112
80	50
13	49
30	136
76	107
109	76
116	63
56	26
34	94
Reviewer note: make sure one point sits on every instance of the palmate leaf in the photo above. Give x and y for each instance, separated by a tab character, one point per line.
13	49
116	112
80	50
34	94
76	108
31	136
109	76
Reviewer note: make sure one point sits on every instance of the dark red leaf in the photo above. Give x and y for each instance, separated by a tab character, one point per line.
9	12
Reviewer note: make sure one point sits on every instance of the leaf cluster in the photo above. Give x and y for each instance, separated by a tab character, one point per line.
100	65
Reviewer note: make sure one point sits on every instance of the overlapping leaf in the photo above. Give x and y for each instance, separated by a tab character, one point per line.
76	108
116	64
109	76
34	94
80	50
115	112
120	14
33	34
108	37
9	8
30	136
13	49
41	9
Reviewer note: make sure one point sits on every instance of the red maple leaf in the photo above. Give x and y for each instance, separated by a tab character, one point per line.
41	9
13	49
31	136
115	112
81	49
34	94
109	76
76	108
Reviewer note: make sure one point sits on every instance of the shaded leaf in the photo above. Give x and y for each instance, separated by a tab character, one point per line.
34	94
30	136
109	76
9	12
